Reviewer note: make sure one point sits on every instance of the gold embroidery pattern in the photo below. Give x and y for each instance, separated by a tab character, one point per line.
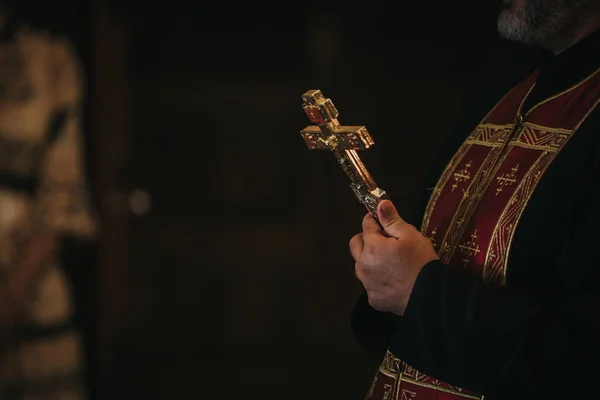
551	141
478	136
536	137
412	376
494	159
507	179
432	237
470	248
468	203
490	135
450	389
496	265
391	365
462	175
494	269
442	184
388	391
398	390
484	134
411	373
394	368
407	394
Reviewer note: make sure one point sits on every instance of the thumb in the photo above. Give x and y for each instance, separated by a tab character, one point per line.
389	218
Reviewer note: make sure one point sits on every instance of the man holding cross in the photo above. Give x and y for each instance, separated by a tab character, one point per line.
497	293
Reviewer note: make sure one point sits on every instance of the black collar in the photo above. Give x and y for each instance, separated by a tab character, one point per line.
558	73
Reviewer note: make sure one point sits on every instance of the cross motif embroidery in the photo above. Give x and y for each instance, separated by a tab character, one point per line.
470	248
432	237
461	176
387	391
507	179
406	393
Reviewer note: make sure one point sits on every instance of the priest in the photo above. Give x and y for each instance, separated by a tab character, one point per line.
492	288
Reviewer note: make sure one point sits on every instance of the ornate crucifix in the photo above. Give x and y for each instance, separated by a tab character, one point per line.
343	141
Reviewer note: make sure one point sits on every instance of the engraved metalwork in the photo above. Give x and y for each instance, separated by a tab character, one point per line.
343	141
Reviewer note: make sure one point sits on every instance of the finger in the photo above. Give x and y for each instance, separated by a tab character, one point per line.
389	218
370	226
358	273
356	246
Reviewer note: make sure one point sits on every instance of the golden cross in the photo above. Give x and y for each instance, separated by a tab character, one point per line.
470	248
343	141
507	179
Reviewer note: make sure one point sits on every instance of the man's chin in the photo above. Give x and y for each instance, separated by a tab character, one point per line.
510	26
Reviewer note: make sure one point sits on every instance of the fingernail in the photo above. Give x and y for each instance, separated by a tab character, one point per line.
385	208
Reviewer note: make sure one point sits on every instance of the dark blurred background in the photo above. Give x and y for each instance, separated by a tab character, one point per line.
223	268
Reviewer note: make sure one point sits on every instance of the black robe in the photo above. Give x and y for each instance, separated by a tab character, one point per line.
537	337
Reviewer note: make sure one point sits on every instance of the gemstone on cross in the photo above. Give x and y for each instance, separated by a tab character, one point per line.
314	115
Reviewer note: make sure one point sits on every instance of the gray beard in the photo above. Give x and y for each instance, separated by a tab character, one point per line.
552	24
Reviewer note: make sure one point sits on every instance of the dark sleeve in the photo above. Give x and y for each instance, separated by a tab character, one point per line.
505	340
373	329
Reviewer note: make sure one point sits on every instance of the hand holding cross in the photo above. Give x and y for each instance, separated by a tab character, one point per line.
389	253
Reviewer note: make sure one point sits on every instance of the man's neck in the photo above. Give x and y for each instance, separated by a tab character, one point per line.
579	35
